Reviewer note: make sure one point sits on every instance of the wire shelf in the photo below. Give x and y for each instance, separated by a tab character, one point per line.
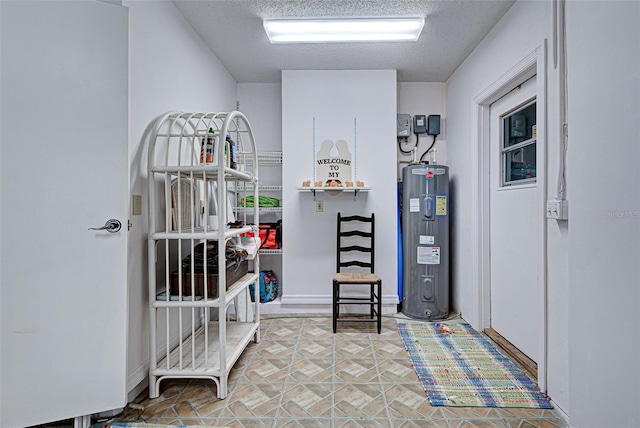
266	252
264	209
264	158
249	188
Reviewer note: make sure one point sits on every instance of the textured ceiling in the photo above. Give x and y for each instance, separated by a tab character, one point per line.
233	29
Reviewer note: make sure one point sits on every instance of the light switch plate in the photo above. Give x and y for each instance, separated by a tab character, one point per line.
136	205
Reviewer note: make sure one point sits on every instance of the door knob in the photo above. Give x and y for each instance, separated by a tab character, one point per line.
111	226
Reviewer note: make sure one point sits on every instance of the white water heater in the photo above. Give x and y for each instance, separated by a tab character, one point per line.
425	241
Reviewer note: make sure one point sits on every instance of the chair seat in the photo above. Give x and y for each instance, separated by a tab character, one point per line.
356	278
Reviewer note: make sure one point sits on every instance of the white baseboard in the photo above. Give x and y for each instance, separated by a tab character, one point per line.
139	387
321	303
137	380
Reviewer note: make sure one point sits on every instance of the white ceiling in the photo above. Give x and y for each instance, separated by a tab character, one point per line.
233	29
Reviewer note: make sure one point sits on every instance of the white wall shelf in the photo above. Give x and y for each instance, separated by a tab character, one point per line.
334	190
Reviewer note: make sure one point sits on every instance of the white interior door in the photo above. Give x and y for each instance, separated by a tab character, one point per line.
64	118
515	291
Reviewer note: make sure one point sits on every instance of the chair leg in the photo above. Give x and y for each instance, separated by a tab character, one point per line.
379	306
372	300
336	296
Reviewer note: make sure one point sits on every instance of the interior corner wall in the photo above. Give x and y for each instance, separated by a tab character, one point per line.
335	98
603	49
170	68
262	104
425	98
526	26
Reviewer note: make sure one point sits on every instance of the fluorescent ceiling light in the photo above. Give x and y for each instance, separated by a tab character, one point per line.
343	30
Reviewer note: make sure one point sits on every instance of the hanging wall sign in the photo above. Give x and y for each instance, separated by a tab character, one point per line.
333	163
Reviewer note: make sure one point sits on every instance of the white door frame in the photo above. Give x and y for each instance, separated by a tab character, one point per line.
534	64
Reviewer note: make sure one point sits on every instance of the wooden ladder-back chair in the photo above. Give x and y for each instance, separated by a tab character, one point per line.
355	267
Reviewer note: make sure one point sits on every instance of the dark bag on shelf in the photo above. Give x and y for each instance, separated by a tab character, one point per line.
236	267
234	256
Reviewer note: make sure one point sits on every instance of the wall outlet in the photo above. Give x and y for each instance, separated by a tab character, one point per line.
319	206
558	209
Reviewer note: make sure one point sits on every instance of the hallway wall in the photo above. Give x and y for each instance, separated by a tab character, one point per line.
603	45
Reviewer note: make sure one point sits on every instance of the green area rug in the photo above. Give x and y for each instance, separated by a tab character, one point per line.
457	366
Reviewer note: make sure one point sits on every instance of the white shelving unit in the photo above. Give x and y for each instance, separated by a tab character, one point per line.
264	159
270	184
196	337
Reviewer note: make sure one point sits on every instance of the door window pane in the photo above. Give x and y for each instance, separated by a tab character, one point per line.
519	145
519	125
521	163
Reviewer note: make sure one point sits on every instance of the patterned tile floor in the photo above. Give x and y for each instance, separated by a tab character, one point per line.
302	375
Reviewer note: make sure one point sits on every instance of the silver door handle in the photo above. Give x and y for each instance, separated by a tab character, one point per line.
111	226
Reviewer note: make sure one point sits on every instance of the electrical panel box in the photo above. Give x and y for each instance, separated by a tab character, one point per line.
419	124
404	125
433	127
